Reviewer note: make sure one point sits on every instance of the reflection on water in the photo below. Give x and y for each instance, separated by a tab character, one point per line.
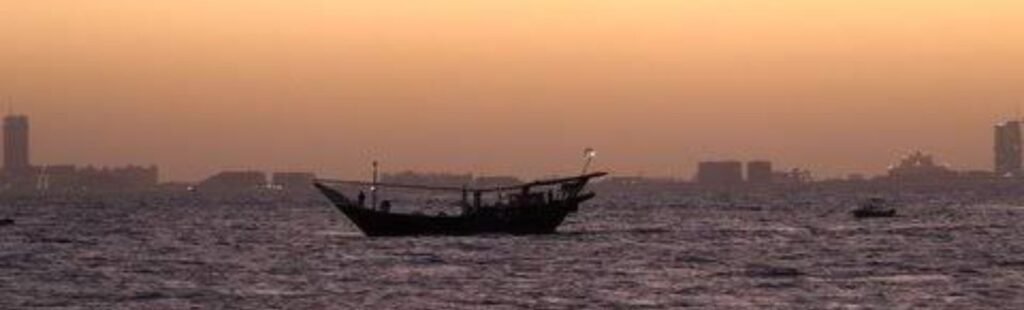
614	254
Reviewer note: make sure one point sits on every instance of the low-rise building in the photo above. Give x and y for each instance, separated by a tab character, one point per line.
720	173
232	181
90	178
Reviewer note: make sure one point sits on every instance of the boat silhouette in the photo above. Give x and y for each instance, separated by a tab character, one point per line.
537	207
874	208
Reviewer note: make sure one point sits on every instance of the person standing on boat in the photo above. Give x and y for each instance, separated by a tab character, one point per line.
362	199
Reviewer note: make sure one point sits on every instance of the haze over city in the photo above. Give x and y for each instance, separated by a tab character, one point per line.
510	88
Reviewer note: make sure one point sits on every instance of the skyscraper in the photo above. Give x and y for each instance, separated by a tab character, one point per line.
16	156
1008	148
720	173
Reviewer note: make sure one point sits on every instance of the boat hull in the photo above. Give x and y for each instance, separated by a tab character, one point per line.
518	220
874	213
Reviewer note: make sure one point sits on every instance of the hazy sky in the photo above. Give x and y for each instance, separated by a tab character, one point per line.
510	87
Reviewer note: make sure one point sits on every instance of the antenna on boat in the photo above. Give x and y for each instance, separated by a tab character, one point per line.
373	187
588	154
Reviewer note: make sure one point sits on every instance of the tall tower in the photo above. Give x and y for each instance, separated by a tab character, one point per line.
1008	160
16	156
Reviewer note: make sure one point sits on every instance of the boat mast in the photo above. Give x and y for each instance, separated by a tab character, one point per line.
588	154
373	187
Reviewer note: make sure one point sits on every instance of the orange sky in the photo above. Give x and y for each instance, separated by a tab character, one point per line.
510	87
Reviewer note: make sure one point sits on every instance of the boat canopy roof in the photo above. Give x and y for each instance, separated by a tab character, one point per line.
537	183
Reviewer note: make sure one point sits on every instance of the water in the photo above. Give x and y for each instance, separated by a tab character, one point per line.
618	253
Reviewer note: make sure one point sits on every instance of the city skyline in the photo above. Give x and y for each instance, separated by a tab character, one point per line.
1007	154
511	88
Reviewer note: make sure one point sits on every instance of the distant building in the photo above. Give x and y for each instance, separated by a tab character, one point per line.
293	181
919	166
20	176
18	173
16	145
1008	149
119	178
794	176
230	181
759	172
71	178
60	177
720	173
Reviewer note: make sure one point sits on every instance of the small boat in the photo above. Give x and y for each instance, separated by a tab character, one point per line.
874	207
6	222
537	207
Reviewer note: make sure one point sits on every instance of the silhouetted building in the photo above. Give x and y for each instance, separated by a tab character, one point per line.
919	166
759	172
16	144
61	178
18	173
71	178
1008	149
794	176
20	176
230	181
720	173
293	181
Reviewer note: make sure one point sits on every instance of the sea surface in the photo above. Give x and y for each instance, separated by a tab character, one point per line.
619	252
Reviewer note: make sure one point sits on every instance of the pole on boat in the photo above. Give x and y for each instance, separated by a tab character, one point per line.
465	196
588	154
373	187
